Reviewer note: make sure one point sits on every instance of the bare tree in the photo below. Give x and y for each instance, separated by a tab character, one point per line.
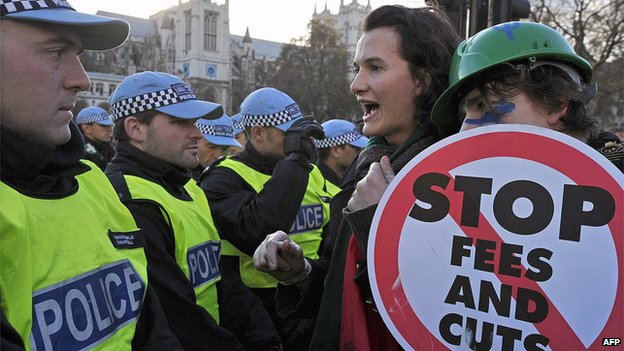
314	71
596	30
595	27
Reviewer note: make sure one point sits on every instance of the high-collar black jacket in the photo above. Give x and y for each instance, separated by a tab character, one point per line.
98	152
243	319
328	173
245	218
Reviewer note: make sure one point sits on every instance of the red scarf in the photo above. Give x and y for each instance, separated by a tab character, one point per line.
358	317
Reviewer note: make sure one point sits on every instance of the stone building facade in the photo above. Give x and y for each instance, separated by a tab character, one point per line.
192	40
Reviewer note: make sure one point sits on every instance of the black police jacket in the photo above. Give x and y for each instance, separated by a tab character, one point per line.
244	321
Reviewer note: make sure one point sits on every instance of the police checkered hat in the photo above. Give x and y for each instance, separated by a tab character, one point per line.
95	32
269	107
237	123
340	132
218	131
94	115
162	92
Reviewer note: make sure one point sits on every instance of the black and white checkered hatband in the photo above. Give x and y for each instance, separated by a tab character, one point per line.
13	6
238	125
150	101
274	119
339	140
216	130
95	118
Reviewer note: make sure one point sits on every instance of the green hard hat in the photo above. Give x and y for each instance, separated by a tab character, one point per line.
505	42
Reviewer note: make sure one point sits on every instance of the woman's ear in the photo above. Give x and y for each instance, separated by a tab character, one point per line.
423	81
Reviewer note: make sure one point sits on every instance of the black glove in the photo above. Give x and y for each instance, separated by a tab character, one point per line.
297	143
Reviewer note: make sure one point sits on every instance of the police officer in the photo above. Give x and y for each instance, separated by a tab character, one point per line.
239	134
97	129
218	137
155	115
342	143
272	185
72	269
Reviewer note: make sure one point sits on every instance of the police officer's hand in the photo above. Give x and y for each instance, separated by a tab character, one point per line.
282	258
298	145
369	190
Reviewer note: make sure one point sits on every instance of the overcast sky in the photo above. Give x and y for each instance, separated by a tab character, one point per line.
276	20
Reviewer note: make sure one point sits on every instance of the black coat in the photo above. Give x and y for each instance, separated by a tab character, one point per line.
99	153
243	318
245	218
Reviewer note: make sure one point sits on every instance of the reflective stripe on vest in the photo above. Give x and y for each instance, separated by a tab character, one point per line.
72	270
306	230
197	243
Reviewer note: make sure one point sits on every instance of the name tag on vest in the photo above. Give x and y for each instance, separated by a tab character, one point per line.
84	311
127	240
309	217
203	262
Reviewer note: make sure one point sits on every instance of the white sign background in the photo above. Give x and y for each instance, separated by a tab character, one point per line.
409	260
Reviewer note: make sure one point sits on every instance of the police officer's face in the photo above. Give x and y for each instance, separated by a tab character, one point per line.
241	138
209	152
274	143
98	132
40	76
347	153
172	140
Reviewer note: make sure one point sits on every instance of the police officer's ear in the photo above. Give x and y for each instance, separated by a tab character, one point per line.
258	132
336	151
136	131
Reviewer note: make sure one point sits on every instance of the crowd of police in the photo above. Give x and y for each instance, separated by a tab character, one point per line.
166	224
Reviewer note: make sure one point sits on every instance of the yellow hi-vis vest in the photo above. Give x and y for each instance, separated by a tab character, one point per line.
72	270
331	188
197	243
306	230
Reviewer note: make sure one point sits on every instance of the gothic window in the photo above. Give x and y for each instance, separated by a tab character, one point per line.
210	31
187	30
111	89
99	88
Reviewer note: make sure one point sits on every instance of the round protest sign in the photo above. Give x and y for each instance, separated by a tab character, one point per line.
503	237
